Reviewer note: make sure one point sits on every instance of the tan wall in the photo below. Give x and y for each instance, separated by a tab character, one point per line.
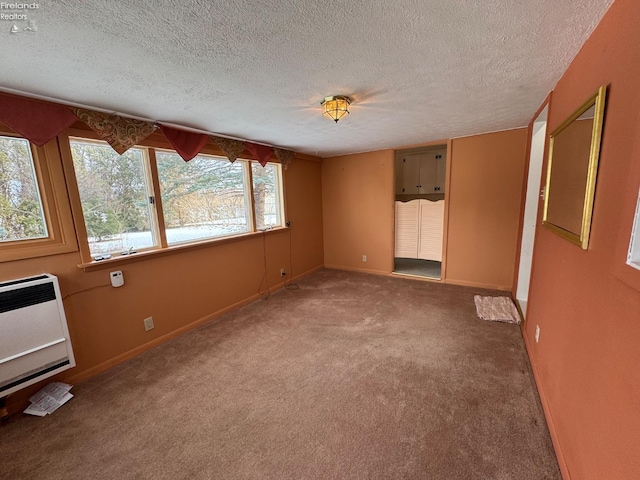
587	303
484	208
357	196
303	189
178	290
484	203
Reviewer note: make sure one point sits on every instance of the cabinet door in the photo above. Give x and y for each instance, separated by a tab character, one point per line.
428	173
441	171
411	174
399	175
406	227
431	229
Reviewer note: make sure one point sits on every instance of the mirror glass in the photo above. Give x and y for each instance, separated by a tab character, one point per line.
571	173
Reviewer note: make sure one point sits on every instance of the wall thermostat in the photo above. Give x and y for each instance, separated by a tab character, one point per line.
117	279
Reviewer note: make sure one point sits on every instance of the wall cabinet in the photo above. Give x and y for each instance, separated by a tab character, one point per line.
422	173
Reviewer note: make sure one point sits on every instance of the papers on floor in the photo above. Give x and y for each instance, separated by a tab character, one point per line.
49	399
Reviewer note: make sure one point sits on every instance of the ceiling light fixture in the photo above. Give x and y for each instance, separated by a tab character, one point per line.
335	107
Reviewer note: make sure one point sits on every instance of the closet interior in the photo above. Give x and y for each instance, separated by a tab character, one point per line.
419	211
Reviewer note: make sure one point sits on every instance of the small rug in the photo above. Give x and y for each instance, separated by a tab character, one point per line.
496	309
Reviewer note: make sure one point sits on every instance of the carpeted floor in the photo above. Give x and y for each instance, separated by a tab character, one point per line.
352	376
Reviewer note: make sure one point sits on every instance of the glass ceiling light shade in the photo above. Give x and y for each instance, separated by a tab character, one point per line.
335	107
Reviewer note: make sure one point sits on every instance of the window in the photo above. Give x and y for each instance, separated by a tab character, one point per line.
114	192
21	211
204	198
151	199
633	258
266	195
31	184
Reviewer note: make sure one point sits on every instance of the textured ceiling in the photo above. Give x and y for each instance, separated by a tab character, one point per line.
417	70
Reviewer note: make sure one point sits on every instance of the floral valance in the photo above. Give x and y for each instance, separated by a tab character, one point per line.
40	121
285	157
120	132
231	148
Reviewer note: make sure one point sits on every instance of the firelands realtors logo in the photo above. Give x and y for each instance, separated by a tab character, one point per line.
18	15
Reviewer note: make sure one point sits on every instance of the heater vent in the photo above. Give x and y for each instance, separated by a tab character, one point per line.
34	338
27	296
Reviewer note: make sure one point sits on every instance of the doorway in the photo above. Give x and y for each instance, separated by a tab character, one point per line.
419	211
536	158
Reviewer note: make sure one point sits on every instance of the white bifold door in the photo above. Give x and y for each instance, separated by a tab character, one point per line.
419	229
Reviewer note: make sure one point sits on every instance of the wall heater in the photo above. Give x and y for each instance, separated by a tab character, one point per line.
34	338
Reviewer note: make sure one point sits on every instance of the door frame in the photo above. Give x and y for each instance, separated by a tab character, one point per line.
531	201
398	153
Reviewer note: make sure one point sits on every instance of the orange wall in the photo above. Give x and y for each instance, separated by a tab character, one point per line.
357	205
484	208
177	290
587	303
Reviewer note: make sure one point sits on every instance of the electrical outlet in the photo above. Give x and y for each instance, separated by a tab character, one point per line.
537	333
283	273
148	324
364	258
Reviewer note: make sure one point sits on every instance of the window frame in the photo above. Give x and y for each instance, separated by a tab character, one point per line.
54	199
280	203
248	191
146	167
153	143
633	257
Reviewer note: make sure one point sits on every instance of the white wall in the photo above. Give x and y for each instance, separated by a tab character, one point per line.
531	207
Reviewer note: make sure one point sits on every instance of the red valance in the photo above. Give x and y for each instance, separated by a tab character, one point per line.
41	121
262	153
35	120
187	144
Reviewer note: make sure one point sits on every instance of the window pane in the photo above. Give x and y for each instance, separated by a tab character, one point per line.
633	259
21	213
266	194
115	197
203	198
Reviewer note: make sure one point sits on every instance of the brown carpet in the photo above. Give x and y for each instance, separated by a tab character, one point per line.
351	376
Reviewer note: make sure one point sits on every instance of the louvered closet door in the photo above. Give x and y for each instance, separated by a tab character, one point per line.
407	229
431	227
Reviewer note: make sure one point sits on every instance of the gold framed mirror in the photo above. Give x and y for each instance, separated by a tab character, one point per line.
574	149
